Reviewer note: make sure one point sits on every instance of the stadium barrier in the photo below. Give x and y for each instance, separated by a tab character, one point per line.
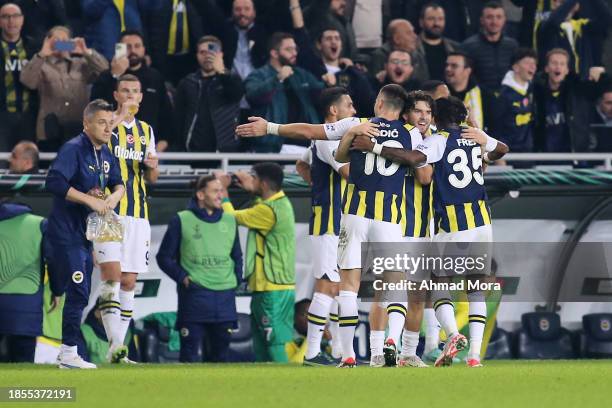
226	159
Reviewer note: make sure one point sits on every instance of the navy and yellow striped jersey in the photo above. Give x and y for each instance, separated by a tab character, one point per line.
130	144
416	207
375	186
327	188
459	195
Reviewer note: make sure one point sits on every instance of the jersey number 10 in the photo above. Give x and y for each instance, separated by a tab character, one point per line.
464	170
381	163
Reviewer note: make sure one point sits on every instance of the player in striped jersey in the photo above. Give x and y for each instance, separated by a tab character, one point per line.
416	213
461	213
372	203
418	207
133	143
328	179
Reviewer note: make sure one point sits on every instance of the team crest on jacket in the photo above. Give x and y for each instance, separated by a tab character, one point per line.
77	277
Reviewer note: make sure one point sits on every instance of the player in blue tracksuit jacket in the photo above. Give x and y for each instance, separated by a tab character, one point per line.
83	168
201	253
21	271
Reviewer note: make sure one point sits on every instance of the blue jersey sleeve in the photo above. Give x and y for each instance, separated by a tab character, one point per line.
62	170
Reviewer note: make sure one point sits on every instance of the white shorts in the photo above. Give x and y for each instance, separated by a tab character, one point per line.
354	230
479	234
325	256
482	234
133	251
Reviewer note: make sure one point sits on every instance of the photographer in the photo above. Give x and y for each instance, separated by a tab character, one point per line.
201	253
60	72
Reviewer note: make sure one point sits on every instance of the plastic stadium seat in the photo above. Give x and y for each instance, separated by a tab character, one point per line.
542	337
241	347
154	344
596	336
499	347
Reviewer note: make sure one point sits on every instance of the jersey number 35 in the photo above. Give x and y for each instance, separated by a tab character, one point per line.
465	168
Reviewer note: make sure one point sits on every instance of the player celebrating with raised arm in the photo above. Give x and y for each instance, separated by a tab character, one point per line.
133	144
461	213
328	179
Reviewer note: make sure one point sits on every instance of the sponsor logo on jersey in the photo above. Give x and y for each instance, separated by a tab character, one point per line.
128	154
106	166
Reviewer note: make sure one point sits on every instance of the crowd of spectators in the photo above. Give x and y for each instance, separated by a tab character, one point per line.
533	73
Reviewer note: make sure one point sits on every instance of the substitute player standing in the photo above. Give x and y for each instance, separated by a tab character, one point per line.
133	144
328	181
83	168
461	212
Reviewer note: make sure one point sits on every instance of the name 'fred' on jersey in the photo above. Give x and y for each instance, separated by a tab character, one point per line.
459	194
130	144
375	185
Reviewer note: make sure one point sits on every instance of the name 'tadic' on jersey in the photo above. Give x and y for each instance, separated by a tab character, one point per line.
376	185
459	194
130	144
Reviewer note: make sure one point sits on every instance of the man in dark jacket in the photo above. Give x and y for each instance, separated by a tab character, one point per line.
282	92
21	289
461	83
207	102
563	105
322	14
490	49
201	253
513	119
155	108
173	32
398	70
17	115
432	44
342	72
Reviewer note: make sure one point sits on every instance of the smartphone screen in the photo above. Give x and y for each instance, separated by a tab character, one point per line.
120	50
64	46
213	47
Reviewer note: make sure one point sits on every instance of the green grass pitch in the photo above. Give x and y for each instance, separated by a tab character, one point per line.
536	384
